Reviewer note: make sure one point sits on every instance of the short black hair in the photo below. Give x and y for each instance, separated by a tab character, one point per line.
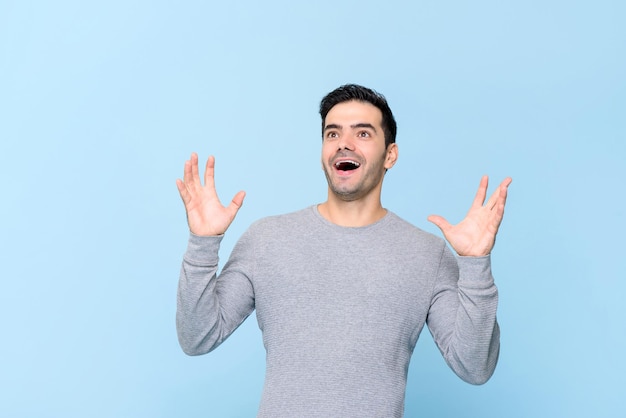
349	92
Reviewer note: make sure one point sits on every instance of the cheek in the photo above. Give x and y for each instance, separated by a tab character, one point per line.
323	160
326	154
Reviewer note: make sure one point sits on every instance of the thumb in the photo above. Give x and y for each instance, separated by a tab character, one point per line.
237	201
440	221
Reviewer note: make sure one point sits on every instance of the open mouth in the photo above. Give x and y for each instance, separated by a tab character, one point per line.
347	165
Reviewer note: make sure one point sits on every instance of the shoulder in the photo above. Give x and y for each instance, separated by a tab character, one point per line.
279	223
424	248
403	230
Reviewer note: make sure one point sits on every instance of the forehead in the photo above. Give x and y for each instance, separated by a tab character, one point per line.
348	113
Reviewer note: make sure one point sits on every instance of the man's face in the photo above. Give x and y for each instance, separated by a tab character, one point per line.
354	156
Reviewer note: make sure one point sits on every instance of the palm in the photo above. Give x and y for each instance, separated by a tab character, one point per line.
476	234
205	213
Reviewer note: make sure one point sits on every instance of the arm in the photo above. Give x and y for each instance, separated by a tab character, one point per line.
462	317
208	308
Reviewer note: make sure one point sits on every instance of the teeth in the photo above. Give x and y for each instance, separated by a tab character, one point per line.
354	163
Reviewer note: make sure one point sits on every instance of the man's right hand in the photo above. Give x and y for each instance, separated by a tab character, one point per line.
205	214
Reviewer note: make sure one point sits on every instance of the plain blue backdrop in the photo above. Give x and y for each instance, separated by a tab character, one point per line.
102	102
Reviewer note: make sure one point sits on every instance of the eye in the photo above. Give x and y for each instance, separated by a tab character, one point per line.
332	135
363	134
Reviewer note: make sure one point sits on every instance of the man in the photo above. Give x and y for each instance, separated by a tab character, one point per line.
342	289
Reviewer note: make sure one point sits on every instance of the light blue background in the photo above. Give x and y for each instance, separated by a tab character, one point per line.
101	103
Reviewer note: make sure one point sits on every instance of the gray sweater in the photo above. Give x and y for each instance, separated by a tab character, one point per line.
340	310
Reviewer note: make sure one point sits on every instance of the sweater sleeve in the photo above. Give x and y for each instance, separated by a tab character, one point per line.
462	316
211	306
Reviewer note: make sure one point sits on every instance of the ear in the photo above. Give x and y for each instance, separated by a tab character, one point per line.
392	155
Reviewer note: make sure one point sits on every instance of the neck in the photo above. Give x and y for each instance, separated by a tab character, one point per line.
360	212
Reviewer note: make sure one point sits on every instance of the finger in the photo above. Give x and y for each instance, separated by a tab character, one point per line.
187	172
237	202
498	198
498	213
440	222
191	167
182	190
209	172
504	187
505	183
194	176
479	199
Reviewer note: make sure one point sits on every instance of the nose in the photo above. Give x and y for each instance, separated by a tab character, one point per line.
345	142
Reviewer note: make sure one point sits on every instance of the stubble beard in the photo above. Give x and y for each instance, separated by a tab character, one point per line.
368	181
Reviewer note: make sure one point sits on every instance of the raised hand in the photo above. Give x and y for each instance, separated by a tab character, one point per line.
205	214
476	234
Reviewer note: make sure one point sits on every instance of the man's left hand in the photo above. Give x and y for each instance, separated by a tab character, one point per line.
475	235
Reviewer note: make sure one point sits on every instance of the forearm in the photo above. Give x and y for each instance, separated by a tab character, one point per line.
197	310
463	319
476	341
211	306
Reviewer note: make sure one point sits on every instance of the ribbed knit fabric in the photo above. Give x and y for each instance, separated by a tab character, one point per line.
340	310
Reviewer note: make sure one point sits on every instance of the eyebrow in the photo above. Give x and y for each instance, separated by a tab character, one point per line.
364	125
356	125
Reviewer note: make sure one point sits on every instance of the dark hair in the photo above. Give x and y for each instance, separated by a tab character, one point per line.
350	92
